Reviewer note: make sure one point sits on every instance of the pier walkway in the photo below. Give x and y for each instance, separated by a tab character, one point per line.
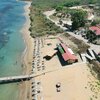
15	78
23	77
18	78
11	78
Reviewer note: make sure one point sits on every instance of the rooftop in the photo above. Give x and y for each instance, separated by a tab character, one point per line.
67	53
96	29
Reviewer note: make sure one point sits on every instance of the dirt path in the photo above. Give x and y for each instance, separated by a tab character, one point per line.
96	48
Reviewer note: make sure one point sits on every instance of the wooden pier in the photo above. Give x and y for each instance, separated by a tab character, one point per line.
22	77
17	78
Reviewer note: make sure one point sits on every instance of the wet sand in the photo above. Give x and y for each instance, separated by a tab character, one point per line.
27	54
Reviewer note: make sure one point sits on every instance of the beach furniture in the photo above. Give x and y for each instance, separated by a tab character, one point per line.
58	85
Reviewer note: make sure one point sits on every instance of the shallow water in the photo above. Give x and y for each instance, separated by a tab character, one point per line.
11	45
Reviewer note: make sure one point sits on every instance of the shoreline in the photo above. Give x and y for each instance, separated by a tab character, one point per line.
27	53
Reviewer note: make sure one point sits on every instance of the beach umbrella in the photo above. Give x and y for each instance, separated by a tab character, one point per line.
58	85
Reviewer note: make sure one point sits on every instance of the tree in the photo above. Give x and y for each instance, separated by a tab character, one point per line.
92	1
95	22
59	8
71	3
78	19
91	36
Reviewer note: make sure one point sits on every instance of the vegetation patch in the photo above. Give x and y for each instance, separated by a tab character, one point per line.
45	4
82	47
40	25
79	19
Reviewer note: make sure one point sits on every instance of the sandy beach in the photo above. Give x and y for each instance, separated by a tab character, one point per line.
27	54
77	81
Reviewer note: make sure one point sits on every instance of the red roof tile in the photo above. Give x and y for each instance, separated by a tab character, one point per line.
67	55
96	29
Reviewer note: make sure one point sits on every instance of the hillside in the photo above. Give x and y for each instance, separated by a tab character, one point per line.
40	25
52	3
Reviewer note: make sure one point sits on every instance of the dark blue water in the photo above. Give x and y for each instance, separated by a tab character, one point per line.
11	45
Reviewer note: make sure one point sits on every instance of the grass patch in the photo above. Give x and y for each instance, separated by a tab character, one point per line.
45	4
40	25
82	47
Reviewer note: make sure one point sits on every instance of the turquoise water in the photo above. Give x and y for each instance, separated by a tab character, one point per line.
11	45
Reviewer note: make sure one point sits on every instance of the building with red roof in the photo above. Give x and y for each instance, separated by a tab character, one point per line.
95	34
66	54
95	29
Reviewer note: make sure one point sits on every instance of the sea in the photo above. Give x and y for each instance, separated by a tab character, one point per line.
12	45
